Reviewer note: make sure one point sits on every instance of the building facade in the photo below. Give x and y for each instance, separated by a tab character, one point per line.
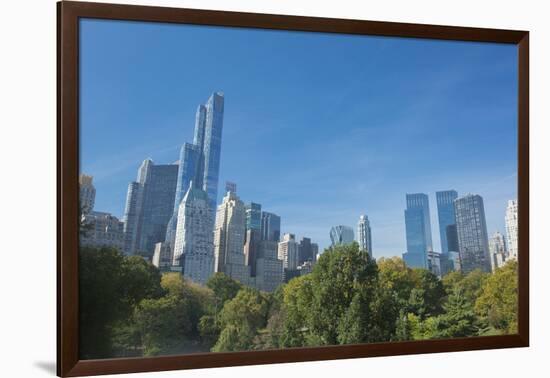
229	236
364	235
288	251
270	226
149	207
86	193
445	214
471	229
497	249
193	248
511	221
341	235
102	230
418	230
269	269
306	251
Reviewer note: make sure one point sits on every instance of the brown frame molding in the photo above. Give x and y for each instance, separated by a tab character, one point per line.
68	14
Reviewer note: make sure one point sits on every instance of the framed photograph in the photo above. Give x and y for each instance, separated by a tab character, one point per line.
238	188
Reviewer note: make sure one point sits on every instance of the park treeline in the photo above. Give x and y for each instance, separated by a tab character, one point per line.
128	308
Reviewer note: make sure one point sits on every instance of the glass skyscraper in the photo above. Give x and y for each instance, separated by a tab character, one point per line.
364	236
445	214
471	229
418	230
341	235
199	161
253	216
149	206
271	226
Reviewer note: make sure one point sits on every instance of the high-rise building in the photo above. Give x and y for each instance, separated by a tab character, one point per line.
452	238
497	248
200	161
251	246
418	230
102	230
162	257
445	214
306	251
149	206
87	193
315	251
471	230
188	171
270	226
511	220
212	146
341	235
434	263
288	252
364	236
253	216
229	235
269	269
193	248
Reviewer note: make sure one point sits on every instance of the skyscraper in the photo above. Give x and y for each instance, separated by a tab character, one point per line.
270	226
364	237
269	269
149	206
418	230
306	251
212	146
87	193
253	216
445	214
288	252
193	249
471	230
341	235
511	220
497	248
229	235
200	161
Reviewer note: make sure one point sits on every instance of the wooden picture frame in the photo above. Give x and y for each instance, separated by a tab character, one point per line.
69	13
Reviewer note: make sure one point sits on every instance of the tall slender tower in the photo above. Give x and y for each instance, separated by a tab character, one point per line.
471	229
445	214
511	220
199	163
364	236
229	235
418	230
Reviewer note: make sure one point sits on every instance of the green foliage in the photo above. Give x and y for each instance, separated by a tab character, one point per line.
498	301
240	319
110	285
169	324
224	288
128	309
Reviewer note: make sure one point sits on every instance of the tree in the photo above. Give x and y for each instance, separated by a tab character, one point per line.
426	298
498	301
101	302
240	320
170	324
224	287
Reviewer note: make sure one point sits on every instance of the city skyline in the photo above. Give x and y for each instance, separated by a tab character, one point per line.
310	178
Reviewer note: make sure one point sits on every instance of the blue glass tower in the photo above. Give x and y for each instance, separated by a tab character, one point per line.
418	230
199	162
446	215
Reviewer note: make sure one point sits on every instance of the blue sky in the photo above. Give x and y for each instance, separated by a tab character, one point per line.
318	128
